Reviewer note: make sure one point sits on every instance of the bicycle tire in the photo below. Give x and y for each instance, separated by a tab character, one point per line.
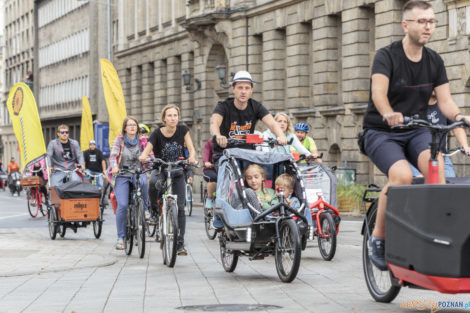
189	199
32	202
388	292
211	232
140	227
62	230
228	258
170	234
52	222
327	242
129	240
98	225
151	229
289	251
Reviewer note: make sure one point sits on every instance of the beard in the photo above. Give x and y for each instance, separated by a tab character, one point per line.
417	40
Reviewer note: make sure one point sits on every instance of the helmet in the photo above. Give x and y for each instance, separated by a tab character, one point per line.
302	126
144	128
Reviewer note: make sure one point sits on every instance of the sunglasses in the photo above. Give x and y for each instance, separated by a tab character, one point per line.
64	132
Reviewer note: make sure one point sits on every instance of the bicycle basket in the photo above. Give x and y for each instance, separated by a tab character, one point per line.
318	178
31	181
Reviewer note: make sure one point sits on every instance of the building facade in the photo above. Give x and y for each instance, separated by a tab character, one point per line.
18	34
310	58
70	40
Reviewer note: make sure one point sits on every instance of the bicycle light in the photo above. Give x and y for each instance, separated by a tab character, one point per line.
248	234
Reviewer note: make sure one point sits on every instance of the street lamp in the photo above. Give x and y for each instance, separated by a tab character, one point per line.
187	82
222	73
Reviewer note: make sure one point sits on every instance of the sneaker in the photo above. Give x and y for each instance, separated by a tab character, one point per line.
208	203
378	253
217	222
181	250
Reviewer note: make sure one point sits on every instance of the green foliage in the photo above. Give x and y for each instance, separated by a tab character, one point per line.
352	192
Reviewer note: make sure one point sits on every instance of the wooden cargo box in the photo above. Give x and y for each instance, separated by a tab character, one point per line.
78	209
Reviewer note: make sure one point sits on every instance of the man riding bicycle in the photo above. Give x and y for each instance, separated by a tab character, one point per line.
236	117
95	164
63	154
404	75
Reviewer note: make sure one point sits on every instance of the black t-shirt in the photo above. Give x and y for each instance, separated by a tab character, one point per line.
436	117
238	123
410	83
67	151
169	149
93	160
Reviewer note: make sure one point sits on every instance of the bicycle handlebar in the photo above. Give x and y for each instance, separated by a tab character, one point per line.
66	171
256	140
455	151
415	121
310	158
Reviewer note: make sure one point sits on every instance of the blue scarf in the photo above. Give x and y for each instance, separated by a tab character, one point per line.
131	143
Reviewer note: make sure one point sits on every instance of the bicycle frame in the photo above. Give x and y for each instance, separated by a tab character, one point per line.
322	206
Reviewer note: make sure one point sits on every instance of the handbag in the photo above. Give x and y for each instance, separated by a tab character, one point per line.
361	140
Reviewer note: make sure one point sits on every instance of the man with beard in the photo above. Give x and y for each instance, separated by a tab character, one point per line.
404	75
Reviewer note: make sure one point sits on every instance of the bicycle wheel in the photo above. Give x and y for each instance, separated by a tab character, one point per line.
129	240
52	222
229	258
380	283
98	225
208	217
288	251
62	230
140	223
170	234
151	225
189	199
32	200
327	241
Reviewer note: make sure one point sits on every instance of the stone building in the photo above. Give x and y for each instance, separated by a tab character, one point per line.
70	39
18	32
311	58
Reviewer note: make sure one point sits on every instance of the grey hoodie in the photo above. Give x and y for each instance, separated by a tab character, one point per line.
55	155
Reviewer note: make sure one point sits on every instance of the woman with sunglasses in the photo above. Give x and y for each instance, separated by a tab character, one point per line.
64	154
125	152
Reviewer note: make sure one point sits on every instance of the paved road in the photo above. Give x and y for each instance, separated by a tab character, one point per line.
82	274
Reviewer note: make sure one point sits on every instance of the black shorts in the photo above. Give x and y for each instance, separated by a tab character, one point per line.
209	175
386	148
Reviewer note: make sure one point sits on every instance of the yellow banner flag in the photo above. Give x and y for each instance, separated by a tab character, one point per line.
86	130
114	99
26	124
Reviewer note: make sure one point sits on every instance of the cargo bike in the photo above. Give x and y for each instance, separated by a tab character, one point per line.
74	205
249	231
427	239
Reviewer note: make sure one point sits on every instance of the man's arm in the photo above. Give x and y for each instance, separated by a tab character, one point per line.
461	137
447	105
269	121
216	121
379	88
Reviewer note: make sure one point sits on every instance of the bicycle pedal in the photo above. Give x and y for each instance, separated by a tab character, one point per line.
258	257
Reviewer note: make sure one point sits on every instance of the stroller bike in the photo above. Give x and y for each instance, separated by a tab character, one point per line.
249	231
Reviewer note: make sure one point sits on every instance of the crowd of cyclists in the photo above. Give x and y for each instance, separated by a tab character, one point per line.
395	91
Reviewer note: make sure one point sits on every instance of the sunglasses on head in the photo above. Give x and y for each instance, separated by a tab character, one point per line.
64	131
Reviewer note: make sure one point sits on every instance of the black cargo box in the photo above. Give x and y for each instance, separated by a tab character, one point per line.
427	229
74	190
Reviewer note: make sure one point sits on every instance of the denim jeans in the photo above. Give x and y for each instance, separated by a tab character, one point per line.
57	177
448	168
98	179
121	191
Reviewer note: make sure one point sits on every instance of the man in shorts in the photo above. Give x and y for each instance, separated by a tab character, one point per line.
404	75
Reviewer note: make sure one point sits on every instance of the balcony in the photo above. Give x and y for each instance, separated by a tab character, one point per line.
202	13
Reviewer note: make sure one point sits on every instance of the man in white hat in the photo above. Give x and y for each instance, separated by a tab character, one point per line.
95	164
236	117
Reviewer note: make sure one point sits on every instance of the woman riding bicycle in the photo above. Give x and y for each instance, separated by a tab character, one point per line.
125	154
285	125
167	143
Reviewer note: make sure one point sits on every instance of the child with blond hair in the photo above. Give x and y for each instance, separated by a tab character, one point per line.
254	176
286	183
